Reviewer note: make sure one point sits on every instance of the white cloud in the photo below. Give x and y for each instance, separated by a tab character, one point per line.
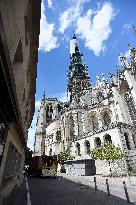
94	27
95	30
70	15
50	3
31	132
37	104
62	97
127	26
127	54
47	40
30	141
65	21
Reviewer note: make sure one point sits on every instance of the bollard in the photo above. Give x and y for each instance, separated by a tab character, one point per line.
95	183
108	190
126	192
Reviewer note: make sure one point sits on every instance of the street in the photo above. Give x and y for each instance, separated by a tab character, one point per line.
60	191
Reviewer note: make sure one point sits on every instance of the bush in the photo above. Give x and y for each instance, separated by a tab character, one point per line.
64	156
132	173
107	152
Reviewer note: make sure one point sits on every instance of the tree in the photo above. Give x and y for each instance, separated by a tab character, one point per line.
107	152
64	156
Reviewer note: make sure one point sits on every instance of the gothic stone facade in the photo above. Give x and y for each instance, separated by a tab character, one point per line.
19	37
93	115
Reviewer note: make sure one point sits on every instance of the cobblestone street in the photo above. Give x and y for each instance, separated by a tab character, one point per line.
60	191
115	184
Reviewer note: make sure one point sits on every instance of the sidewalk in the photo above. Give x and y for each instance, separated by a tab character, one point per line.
18	196
115	184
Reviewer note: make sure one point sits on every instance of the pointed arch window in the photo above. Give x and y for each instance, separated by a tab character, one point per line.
71	127
50	152
131	106
58	135
47	111
87	147
127	141
51	109
97	142
106	119
63	145
78	149
134	140
107	139
94	121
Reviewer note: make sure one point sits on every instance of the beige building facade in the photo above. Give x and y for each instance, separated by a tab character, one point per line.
19	41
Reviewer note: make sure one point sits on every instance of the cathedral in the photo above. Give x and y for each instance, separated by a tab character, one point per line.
93	114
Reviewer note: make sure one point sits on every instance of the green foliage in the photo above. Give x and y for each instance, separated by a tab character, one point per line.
64	156
107	152
132	173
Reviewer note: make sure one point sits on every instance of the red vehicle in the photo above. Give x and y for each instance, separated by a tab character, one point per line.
43	166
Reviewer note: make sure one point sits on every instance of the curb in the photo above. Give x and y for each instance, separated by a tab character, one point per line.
1	198
28	194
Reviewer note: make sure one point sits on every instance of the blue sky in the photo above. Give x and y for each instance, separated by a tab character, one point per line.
103	30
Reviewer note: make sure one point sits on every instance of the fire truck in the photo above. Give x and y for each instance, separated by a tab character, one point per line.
43	166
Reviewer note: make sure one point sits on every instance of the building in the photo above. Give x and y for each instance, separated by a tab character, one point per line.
19	39
48	123
94	115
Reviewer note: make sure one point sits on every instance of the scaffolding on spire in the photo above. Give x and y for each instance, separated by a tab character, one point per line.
78	77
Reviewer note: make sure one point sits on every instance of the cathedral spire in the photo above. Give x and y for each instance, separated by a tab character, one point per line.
78	77
73	45
43	96
74	36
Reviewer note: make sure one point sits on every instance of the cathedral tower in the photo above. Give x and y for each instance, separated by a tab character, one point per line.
78	77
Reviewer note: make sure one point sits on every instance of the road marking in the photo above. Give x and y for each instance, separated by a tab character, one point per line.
28	194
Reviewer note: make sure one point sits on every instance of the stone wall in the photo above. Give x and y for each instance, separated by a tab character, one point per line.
102	167
119	168
19	39
19	23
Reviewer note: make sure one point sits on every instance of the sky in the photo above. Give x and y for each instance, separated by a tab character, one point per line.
103	30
